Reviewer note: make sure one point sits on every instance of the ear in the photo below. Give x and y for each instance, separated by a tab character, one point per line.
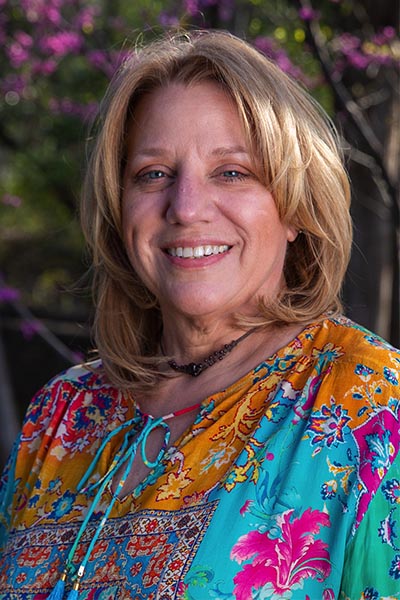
291	233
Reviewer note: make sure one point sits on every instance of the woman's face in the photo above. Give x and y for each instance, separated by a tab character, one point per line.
199	227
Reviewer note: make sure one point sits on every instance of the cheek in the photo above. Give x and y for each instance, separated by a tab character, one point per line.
132	223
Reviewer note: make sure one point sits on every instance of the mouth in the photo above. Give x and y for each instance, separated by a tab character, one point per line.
197	251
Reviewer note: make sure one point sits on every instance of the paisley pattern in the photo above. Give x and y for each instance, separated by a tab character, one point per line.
287	486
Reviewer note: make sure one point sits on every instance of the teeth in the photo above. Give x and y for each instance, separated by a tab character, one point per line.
197	251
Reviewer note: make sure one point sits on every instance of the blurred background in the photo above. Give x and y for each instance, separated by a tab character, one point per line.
57	59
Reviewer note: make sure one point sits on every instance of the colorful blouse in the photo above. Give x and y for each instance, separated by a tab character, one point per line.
287	486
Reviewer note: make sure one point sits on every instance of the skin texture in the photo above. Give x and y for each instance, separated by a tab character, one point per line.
191	181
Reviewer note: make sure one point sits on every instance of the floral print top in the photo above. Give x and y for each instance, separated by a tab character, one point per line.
287	486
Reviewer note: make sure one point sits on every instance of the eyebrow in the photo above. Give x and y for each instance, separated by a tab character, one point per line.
224	151
221	151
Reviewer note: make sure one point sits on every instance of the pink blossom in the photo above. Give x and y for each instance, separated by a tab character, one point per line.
11	200
358	60
24	39
43	11
191	7
9	294
67	106
389	33
167	20
328	594
65	42
270	48
245	507
108	62
283	561
17	54
46	67
98	59
306	13
86	16
29	328
348	42
13	83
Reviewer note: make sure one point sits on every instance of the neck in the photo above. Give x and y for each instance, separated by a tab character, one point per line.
192	343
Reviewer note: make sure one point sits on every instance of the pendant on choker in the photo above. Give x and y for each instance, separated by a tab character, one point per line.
195	369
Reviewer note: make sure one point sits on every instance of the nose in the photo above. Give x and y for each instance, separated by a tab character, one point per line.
188	201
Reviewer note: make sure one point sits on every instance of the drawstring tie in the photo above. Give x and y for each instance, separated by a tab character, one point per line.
125	456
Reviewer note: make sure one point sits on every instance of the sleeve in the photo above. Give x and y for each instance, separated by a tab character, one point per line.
372	561
7	487
25	451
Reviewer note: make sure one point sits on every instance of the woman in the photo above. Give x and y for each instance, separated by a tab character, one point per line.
238	438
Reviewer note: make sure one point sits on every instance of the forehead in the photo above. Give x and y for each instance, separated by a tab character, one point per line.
201	113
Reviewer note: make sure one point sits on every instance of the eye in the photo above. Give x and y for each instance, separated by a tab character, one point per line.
151	176
233	175
154	178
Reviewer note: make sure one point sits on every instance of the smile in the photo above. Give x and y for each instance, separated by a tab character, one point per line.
197	251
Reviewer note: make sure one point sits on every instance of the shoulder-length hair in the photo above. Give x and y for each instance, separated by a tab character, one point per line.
301	165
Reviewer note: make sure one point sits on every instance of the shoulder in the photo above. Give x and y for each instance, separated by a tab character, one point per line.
85	378
67	397
348	344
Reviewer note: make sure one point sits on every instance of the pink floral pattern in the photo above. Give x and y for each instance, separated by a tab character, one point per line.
282	562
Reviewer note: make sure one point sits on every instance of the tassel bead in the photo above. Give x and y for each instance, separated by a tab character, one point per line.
74	594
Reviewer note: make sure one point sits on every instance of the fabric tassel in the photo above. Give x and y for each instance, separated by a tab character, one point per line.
58	591
73	595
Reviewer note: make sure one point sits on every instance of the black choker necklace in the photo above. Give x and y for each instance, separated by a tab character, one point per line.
194	369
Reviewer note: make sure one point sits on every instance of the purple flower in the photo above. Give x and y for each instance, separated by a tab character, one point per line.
17	54
358	60
46	67
9	294
389	32
13	83
24	39
308	14
65	42
191	7
11	200
85	18
29	328
167	20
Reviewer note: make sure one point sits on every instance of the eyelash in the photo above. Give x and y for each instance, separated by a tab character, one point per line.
229	175
239	176
146	178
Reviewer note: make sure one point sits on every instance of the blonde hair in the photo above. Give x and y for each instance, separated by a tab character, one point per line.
301	165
